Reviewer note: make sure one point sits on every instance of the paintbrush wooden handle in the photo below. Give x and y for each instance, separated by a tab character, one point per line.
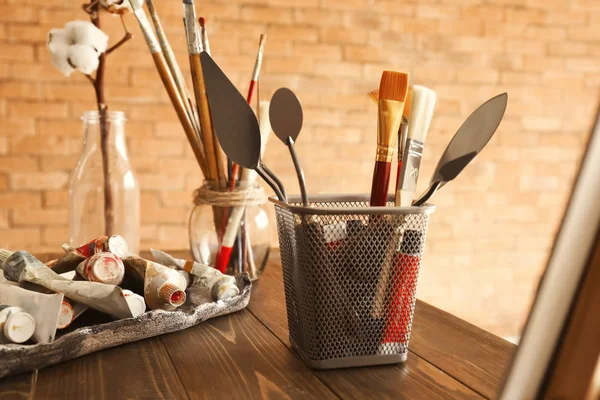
204	114
167	80
381	181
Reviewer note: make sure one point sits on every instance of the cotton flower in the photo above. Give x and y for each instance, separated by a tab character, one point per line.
77	46
84	32
116	6
84	58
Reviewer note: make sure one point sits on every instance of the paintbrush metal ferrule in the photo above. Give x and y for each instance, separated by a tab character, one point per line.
147	31
192	34
411	162
259	57
390	116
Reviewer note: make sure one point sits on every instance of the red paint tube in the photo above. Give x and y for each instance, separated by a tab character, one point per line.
403	293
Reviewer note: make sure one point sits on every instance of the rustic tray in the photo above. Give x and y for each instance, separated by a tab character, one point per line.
15	359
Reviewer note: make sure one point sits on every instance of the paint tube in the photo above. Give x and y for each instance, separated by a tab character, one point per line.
44	308
113	244
66	263
221	286
23	267
16	325
164	288
103	267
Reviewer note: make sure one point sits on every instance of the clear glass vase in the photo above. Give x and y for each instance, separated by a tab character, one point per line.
250	249
104	194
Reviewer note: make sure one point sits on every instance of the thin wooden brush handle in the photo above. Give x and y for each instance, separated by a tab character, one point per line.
204	114
177	101
381	181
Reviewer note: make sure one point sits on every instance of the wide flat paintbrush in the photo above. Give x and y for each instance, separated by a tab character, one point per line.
402	132
423	106
169	83
393	89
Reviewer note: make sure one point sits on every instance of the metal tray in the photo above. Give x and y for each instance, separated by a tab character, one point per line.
15	359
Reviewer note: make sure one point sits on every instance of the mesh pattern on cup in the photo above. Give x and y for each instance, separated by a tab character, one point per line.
350	280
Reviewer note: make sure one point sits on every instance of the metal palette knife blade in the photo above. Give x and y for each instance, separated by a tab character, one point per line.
235	124
473	135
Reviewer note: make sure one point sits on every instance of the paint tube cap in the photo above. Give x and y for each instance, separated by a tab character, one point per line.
4	255
172	294
224	288
19	327
104	267
117	245
136	303
66	315
412	243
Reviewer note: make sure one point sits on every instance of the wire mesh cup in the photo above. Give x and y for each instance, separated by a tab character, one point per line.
350	275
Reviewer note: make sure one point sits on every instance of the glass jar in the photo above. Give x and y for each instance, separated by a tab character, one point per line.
104	194
252	243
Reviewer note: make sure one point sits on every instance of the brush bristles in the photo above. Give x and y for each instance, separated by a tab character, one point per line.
374	95
393	86
421	112
407	104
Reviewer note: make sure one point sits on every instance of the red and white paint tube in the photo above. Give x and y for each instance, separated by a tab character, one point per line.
22	267
403	293
114	244
164	288
221	286
103	267
237	212
44	308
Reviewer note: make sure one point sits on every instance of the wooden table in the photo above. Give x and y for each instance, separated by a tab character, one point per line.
247	355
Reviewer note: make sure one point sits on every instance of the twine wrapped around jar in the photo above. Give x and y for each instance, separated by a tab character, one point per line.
252	195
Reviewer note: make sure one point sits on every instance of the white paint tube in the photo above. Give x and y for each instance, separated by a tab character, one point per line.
16	325
23	267
164	288
221	286
44	308
102	267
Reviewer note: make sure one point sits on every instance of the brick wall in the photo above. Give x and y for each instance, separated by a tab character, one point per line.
491	234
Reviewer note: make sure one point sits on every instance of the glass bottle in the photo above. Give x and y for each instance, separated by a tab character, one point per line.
251	248
87	188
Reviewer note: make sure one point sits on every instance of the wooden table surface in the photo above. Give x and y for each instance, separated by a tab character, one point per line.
248	355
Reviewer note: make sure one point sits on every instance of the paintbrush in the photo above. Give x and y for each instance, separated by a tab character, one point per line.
220	157
253	81
393	89
194	49
423	106
168	82
402	132
171	61
248	178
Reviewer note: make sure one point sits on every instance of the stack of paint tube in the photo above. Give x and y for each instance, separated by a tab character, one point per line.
36	299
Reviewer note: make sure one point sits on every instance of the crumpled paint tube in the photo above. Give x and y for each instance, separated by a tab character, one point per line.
44	308
221	286
23	267
164	288
113	244
102	267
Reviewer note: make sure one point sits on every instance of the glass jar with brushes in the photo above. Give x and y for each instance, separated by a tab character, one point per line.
229	229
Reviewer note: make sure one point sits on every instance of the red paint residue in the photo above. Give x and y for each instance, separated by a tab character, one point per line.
176	297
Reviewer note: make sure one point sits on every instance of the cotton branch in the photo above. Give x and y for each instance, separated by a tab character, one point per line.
125	38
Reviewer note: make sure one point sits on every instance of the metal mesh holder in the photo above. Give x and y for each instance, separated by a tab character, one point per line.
350	275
